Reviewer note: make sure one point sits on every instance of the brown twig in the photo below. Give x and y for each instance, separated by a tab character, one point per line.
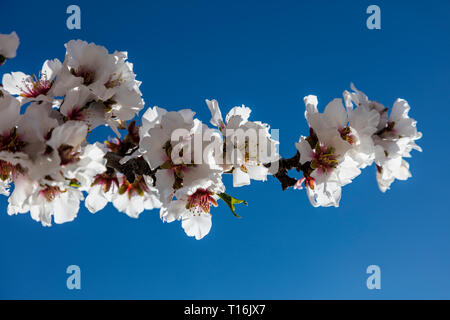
284	165
132	168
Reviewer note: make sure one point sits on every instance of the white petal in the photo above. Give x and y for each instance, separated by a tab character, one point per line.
242	112
71	133
311	106
257	172
174	211
216	115
197	226
51	68
304	149
335	114
14	81
240	178
399	110
132	207
9	44
66	206
95	201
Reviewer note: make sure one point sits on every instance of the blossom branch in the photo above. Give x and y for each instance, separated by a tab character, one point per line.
45	154
131	169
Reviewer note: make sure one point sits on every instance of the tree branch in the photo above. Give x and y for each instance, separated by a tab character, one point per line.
284	165
132	168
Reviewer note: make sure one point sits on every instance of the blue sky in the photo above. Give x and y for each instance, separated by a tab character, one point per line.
267	55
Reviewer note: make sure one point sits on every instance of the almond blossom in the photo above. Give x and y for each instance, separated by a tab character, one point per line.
393	140
33	88
326	151
248	145
45	202
109	77
102	190
134	198
169	159
192	206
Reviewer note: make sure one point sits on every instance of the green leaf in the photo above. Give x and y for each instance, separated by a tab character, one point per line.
74	183
231	201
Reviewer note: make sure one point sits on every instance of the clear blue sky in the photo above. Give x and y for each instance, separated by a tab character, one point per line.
267	55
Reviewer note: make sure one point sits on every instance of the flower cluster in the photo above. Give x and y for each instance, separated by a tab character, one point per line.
44	150
345	139
170	160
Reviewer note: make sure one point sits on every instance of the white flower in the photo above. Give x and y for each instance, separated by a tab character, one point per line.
123	91
360	99
327	152
249	144
12	145
35	128
109	77
75	161
160	125
192	207
134	198
33	88
8	46
44	201
392	141
85	64
25	143
56	155
91	162
394	168
49	182
103	190
329	172
330	128
80	104
182	163
400	125
62	204
363	123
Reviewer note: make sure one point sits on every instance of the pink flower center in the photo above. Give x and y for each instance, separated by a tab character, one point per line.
346	134
76	114
87	75
35	86
106	180
50	193
324	158
5	170
138	187
201	200
68	154
11	142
